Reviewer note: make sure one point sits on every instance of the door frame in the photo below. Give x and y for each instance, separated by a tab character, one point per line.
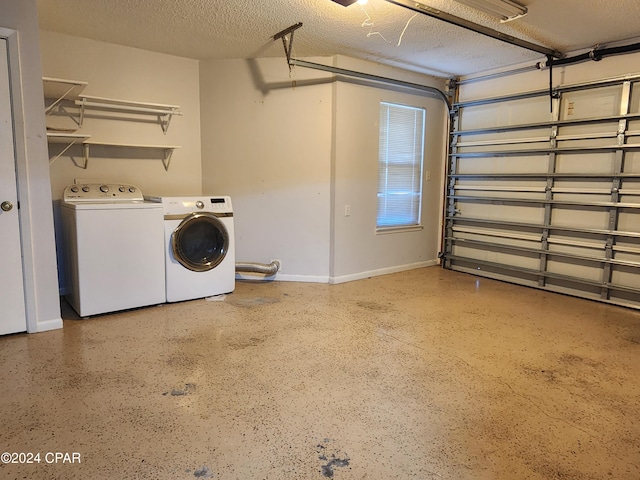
24	215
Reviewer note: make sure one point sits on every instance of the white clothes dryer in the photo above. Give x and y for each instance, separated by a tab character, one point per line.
199	246
113	247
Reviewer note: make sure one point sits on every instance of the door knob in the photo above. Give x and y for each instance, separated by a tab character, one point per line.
6	206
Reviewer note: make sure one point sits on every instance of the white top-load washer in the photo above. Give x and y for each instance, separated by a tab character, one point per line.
199	246
114	248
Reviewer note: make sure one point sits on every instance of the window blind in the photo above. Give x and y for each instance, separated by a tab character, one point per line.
401	152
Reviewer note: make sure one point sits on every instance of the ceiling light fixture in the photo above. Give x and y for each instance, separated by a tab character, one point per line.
505	10
469	25
345	3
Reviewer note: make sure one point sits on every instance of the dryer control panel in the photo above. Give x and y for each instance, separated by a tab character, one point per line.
185	205
102	192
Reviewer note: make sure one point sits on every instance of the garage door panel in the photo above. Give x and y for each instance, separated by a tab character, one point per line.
549	203
625	276
572	267
497	192
587	198
634	126
583	185
502	183
631	186
502	165
627	257
606	140
477	230
531	145
632	161
580	217
630	199
629	220
497	255
595	129
598	162
626	299
634	102
498	238
596	251
516	112
592	104
498	272
631	242
575	288
496	137
503	213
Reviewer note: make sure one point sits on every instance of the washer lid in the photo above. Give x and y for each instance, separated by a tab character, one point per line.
106	205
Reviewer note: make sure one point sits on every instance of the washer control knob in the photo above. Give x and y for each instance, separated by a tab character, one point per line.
85	189
132	189
122	189
199	204
104	188
74	189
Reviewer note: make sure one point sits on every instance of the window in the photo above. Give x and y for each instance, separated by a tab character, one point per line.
401	151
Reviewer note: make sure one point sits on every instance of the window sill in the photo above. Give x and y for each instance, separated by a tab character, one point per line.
409	228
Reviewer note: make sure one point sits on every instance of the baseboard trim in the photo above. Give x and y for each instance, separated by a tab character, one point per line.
280	277
382	271
47	325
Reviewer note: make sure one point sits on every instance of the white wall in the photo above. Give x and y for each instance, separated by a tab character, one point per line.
126	73
36	221
288	153
269	141
267	144
358	251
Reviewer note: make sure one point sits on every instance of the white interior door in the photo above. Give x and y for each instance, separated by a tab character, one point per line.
12	307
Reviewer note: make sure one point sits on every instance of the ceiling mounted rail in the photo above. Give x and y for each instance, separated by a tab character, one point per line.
461	22
431	91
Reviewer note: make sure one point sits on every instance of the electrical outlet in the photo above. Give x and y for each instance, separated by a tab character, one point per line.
279	263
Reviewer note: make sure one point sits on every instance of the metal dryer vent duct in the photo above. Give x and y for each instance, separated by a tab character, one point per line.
263	268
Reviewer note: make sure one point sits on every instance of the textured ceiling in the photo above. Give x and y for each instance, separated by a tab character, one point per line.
380	31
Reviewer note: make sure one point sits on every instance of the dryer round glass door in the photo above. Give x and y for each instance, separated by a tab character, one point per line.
200	242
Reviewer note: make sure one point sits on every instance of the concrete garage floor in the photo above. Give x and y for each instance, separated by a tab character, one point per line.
427	374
